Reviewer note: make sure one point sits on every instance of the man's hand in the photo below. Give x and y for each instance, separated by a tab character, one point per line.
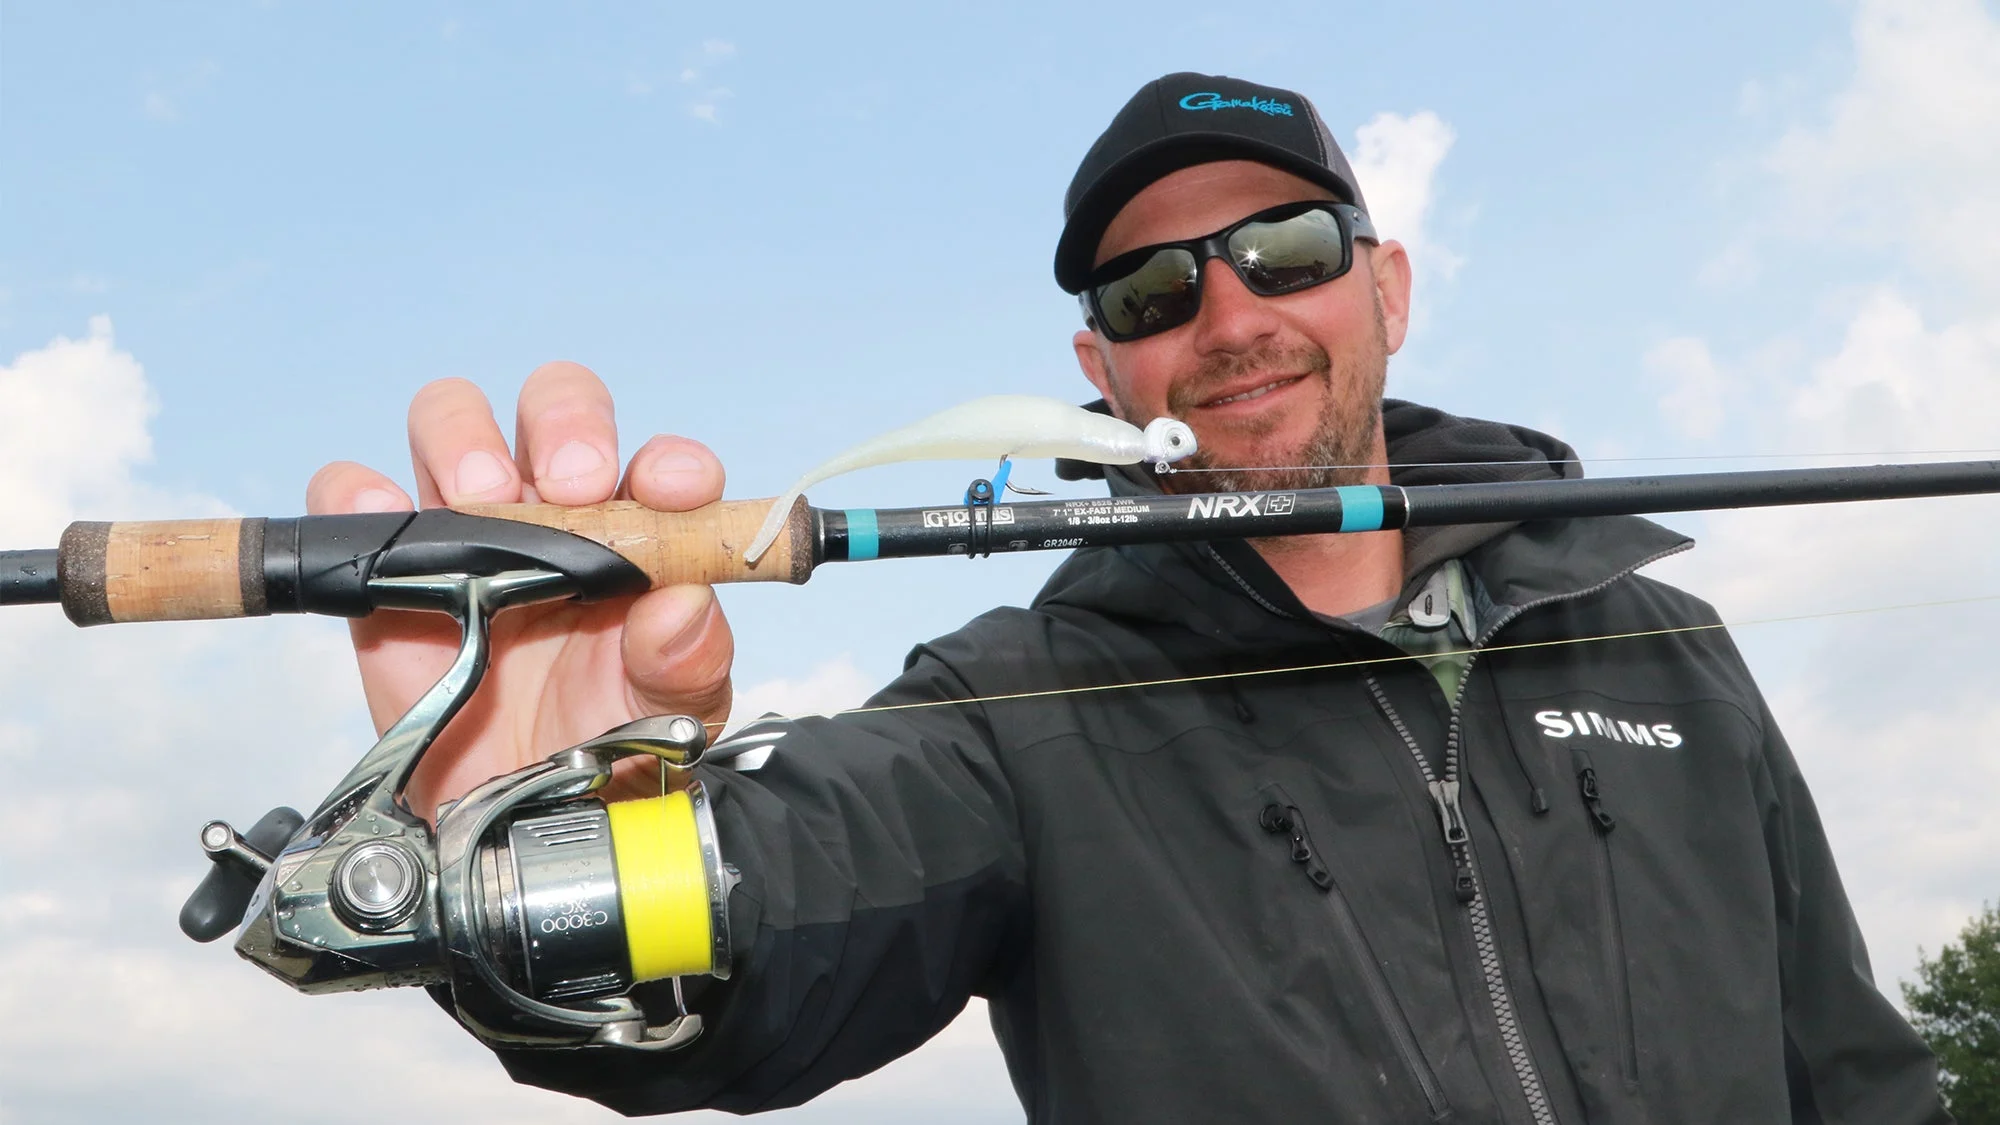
561	673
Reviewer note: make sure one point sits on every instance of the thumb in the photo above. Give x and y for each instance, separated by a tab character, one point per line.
677	649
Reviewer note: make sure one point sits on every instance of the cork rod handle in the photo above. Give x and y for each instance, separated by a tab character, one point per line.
703	546
187	570
158	570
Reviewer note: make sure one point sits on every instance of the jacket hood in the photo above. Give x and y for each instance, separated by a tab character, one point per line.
1426	446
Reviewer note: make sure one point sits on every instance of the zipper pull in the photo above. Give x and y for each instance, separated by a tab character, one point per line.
1280	819
1462	883
1452	819
1444	794
1593	798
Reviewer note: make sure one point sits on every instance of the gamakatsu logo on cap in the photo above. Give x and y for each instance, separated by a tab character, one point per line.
1216	101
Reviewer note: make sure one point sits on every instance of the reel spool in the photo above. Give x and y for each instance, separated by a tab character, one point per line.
574	904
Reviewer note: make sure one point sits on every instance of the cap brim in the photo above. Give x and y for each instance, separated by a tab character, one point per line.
1076	250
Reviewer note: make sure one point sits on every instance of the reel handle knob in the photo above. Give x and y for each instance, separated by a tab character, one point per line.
217	905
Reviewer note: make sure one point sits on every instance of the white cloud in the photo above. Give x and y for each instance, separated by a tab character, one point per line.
1906	155
1691	399
830	686
710	104
119	742
707	105
1895	381
1926	880
74	429
1889	382
1396	158
75	426
199	1032
1884	710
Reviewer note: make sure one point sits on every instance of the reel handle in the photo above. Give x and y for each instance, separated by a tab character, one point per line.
216	907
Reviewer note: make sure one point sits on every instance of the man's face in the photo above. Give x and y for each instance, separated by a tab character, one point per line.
1265	381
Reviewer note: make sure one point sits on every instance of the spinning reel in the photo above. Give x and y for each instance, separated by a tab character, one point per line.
537	905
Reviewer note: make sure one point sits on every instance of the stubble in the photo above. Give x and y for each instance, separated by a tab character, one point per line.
1342	442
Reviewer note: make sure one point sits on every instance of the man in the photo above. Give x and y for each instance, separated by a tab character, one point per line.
1392	879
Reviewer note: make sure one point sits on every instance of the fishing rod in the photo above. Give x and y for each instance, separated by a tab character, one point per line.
538	905
218	568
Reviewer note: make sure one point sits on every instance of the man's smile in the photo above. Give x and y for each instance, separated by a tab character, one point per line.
1239	394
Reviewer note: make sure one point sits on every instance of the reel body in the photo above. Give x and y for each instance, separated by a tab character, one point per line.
534	902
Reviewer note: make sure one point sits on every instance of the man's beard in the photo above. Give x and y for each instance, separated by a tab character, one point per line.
1341	444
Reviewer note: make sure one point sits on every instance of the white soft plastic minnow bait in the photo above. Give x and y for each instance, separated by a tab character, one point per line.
992	427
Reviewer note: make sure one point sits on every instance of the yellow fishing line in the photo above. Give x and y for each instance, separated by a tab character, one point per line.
661	886
1335	664
1171	470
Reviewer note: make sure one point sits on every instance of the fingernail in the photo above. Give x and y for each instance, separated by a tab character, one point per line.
479	471
379	500
678	470
573	460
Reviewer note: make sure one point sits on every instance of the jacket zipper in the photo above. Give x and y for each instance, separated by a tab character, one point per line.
1465	883
1451	820
1286	819
1612	942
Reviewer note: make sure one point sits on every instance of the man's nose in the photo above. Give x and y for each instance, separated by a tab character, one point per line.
1231	318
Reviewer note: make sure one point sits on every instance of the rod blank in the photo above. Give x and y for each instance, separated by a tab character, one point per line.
27	577
1693	492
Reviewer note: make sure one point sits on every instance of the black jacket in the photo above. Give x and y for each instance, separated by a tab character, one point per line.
1232	898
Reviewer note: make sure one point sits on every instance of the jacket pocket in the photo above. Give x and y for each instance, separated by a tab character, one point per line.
1280	816
1610	929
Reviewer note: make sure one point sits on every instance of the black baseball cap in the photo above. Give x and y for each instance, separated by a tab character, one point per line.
1182	120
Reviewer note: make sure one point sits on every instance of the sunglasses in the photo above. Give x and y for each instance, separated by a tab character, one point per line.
1280	250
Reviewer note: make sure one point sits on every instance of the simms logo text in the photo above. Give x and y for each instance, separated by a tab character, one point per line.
1254	504
1568	724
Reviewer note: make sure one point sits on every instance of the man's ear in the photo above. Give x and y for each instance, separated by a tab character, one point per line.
1391	265
1096	365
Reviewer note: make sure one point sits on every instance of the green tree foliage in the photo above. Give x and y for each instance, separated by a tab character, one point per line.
1956	1007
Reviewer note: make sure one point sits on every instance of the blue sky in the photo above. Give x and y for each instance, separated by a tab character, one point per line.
296	218
1694	228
